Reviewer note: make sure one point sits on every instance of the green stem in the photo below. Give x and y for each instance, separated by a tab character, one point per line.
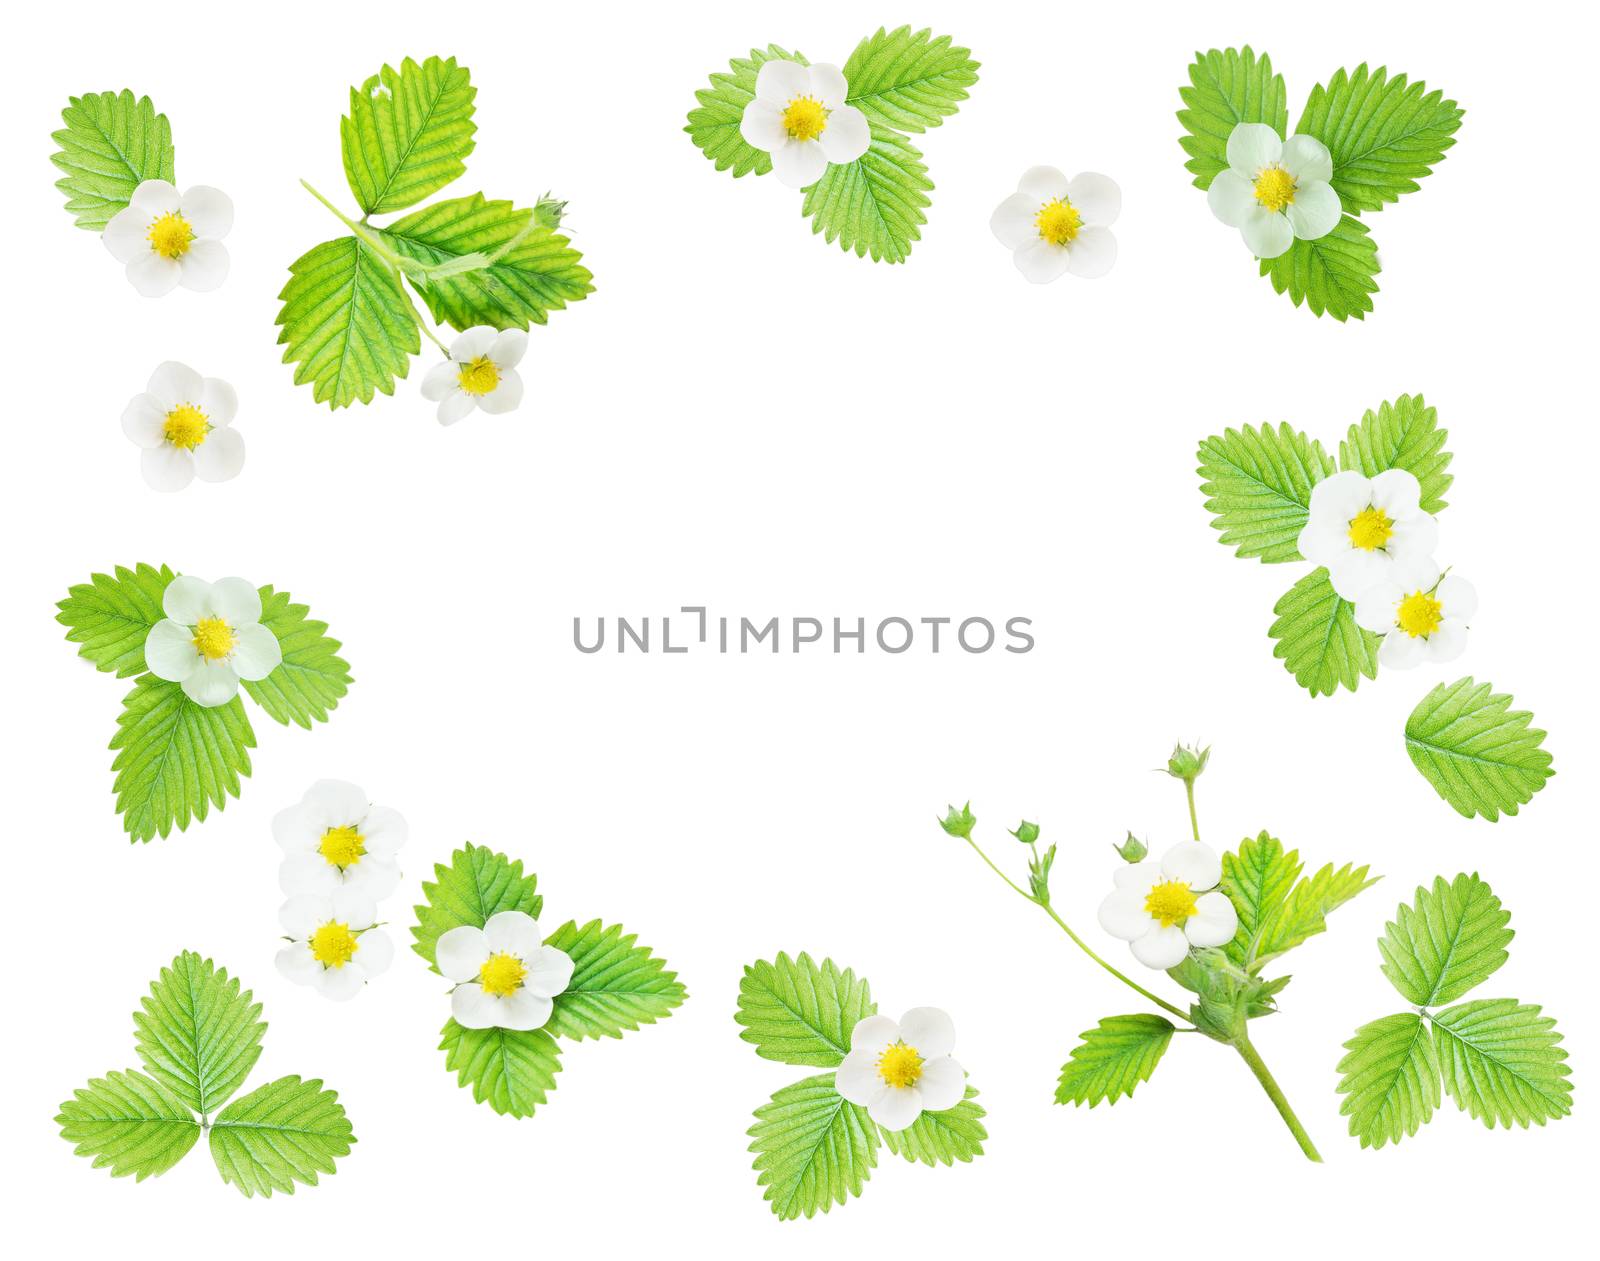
1194	819
1077	940
1258	1066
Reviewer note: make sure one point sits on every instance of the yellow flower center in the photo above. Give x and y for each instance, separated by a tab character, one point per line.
186	426
1370	529
171	236
1274	188
214	638
1171	902
342	847
900	1066
805	119
1419	614
502	975
334	945
1058	221
480	376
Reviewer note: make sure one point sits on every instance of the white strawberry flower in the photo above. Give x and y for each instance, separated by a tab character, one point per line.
1424	619
506	977
1275	190
183	423
168	238
799	116
1368	530
1055	225
333	945
335	838
897	1070
1162	909
480	373
211	638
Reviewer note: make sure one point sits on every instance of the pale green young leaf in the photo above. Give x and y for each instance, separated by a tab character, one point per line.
1404	434
408	133
198	1034
1113	1058
1318	640
1303	913
873	205
1451	938
814	1148
529	269
1257	484
1227	87
942	1138
1502	1062
714	123
312	677
1383	134
110	616
346	322
1333	274
799	1012
511	1070
1256	879
908	80
110	145
478	883
1391	1079
129	1123
286	1132
176	759
616	984
1479	754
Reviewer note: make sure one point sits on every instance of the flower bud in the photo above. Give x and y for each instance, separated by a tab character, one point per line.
1026	832
960	822
1186	763
1132	850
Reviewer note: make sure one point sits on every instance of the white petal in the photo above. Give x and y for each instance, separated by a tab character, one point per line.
1341	496
1448	642
1161	947
340	984
220	457
943	1083
383	831
1041	262
1397	492
208	210
127	236
1307	159
187	599
1092	254
508	347
1324	539
1097	198
455	406
1232	198
219	401
353	907
827	85
307	874
442	380
334	803
375	878
153	276
213	684
505	396
1015	221
1458	598
1375	611
473	344
874	1033
461	953
256	652
156	198
169	651
1193	862
857	1077
1252	147
1044	183
204	266
294	831
144	422
374	951
761	126
513	933
302	916
895	1109
847	135
297	963
524	1010
799	163
236	601
1141	877
1123	916
172	384
779	81
1413	539
930	1030
167	468
1314	212
1354	572
1400	651
472	1008
549	972
1214	922
1268	235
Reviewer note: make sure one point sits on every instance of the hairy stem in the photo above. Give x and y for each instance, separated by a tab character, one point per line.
1258	1066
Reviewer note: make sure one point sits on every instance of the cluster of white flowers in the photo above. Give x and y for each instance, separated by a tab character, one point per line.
1377	544
339	863
1275	191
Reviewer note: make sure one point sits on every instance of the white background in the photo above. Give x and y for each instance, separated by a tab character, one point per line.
745	417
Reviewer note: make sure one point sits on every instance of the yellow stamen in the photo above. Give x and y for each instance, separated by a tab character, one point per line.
805	119
502	975
1419	614
1058	221
1171	902
171	236
1370	529
334	945
186	426
342	847
900	1066
214	638
1274	189
480	376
